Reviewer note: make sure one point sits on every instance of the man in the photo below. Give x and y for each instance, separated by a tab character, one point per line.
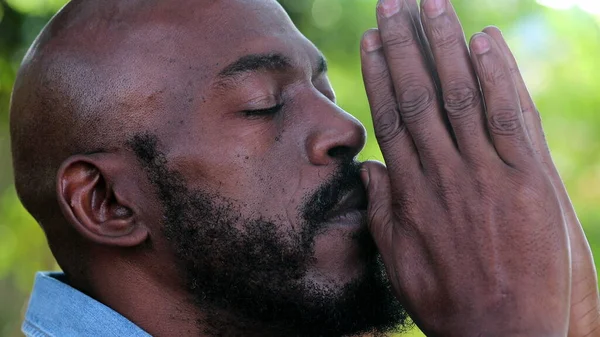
194	176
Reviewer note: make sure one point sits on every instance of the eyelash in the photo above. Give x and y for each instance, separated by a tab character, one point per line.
264	112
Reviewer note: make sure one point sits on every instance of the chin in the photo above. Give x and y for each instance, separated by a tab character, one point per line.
341	254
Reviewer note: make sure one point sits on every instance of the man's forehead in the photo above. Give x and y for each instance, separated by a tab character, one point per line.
90	22
178	47
211	18
203	46
211	30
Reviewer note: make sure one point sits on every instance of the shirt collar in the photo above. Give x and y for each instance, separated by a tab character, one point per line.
57	309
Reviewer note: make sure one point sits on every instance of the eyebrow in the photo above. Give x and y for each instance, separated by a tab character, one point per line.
271	62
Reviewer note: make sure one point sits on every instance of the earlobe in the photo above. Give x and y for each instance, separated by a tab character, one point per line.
91	202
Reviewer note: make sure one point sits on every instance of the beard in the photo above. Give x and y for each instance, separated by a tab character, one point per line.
245	274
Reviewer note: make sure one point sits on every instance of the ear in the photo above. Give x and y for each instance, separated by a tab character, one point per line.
93	196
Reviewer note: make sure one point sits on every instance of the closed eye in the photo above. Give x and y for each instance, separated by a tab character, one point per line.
263	112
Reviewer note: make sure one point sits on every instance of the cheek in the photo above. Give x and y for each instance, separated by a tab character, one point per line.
261	186
268	183
263	169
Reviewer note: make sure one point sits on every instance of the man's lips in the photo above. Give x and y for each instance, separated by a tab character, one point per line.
351	208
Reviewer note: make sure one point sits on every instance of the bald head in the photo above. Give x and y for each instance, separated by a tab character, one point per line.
190	152
101	72
63	99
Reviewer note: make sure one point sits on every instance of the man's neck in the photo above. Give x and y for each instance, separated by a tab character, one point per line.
154	299
157	301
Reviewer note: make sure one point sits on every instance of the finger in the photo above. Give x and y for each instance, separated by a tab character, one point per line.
504	119
415	15
460	89
584	296
413	83
531	115
377	183
579	246
532	119
394	140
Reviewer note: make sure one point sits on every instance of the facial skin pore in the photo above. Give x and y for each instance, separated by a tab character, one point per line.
181	155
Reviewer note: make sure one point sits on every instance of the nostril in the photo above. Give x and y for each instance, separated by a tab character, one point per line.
333	137
340	152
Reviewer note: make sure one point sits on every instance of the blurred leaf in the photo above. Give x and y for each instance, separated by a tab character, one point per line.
36	7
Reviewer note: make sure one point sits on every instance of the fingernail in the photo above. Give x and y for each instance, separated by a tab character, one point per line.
365	176
372	42
388	8
481	44
434	8
492	28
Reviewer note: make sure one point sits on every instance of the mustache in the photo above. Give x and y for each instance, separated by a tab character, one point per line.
329	195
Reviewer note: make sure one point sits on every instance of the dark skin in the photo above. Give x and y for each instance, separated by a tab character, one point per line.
267	162
515	136
484	222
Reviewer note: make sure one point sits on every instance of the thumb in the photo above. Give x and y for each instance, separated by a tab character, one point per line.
379	211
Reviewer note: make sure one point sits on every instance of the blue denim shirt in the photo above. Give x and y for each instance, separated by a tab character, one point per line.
59	310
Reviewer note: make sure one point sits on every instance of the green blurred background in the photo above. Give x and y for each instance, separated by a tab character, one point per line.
557	43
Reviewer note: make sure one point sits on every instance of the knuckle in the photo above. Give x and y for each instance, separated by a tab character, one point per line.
446	39
388	124
493	73
415	102
504	122
514	71
379	213
399	38
383	112
460	98
378	78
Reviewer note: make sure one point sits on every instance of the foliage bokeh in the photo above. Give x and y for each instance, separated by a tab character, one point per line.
559	52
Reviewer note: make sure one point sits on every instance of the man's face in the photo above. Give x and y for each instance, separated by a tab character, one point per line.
254	167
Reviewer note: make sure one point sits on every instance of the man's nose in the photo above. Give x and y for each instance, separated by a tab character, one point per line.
335	135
